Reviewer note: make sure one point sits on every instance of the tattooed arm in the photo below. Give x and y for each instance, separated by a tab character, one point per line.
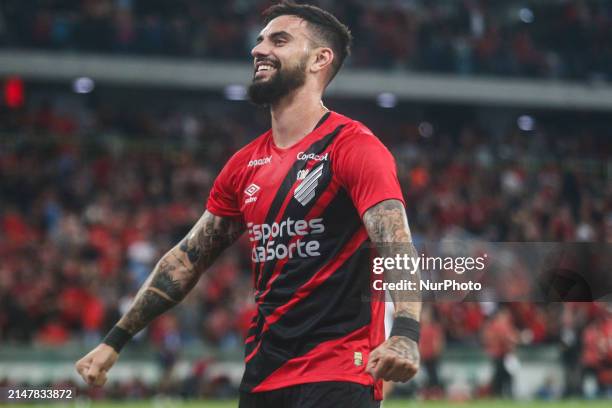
397	359
173	277
179	269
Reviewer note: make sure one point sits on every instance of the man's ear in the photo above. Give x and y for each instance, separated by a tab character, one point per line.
324	57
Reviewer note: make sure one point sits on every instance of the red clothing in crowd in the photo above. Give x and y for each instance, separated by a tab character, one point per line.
500	336
431	343
597	349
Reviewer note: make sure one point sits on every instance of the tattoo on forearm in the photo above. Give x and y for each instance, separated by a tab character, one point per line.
164	280
147	306
180	269
388	229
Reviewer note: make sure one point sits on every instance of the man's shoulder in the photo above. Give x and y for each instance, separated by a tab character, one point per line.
355	132
355	142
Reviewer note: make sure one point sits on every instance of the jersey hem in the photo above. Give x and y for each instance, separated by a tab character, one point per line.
309	379
221	213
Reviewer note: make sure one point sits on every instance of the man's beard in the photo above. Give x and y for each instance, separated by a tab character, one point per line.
281	83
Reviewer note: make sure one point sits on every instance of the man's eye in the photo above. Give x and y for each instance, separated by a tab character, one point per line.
279	42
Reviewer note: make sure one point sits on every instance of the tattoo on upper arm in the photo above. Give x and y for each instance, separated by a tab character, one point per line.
193	252
386	222
208	238
180	269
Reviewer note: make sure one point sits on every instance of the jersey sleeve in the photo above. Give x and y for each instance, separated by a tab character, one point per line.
366	169
222	200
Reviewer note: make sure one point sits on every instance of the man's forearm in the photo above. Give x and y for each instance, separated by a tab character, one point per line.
388	229
406	303
179	270
167	285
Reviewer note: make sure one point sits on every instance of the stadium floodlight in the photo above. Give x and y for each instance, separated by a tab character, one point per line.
83	85
526	123
426	129
386	100
526	15
235	92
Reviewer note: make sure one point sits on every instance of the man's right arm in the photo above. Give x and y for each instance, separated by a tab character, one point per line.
173	277
179	269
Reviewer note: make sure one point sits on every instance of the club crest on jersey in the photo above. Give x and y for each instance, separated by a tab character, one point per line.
358	358
305	192
301	175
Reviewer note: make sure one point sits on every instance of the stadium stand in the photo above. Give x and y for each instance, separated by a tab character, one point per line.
95	194
549	40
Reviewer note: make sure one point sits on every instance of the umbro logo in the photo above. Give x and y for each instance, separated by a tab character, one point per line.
252	189
305	192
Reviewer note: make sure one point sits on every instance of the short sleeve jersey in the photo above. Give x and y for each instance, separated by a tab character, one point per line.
303	209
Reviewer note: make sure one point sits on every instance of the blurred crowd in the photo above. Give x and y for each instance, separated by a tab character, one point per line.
562	39
93	194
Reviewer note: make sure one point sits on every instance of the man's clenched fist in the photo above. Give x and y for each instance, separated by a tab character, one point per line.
397	359
94	366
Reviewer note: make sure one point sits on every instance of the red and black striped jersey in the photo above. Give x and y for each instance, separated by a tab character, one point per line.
303	206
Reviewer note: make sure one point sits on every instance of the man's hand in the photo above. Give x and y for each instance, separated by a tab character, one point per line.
94	366
397	359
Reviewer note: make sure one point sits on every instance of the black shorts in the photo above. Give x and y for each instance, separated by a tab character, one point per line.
328	394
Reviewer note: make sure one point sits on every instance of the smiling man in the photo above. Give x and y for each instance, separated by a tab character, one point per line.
314	193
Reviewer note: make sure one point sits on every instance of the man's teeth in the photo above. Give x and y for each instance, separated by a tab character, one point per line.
265	68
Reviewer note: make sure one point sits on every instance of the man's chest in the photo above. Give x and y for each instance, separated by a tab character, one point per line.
273	182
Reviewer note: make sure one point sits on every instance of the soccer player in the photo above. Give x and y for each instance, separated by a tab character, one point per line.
313	193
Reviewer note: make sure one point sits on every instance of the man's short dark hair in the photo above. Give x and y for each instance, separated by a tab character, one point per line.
325	26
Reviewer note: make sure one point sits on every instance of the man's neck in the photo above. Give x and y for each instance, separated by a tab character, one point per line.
295	116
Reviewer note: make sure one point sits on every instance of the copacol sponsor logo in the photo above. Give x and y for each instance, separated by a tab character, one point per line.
312	156
267	233
260	162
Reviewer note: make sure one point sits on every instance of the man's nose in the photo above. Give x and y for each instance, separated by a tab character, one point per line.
260	50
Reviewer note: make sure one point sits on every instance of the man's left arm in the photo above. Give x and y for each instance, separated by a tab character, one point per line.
397	359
